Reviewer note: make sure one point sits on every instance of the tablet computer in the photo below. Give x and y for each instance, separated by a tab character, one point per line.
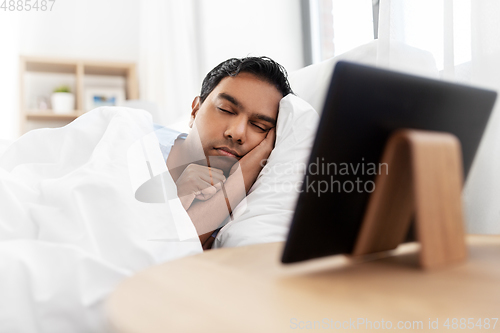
364	105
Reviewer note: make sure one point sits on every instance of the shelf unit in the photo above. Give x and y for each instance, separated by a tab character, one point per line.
78	67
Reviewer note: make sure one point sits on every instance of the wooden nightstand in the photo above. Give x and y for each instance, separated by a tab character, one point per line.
247	289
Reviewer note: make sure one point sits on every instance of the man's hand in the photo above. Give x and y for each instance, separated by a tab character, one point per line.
242	176
198	182
252	163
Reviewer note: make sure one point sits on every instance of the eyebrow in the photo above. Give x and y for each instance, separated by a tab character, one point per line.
236	103
266	118
231	99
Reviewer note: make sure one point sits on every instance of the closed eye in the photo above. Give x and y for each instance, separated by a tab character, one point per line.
224	110
263	129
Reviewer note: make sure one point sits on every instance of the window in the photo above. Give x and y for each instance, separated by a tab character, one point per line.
337	26
441	27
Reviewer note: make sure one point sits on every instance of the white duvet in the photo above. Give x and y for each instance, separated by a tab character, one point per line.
70	226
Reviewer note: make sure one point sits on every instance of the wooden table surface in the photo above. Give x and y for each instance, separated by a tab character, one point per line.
247	289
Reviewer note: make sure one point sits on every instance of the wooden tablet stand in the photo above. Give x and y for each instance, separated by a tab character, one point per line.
424	180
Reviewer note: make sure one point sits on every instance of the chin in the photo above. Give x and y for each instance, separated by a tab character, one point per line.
221	162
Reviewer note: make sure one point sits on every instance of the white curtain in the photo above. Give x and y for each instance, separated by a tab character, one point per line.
169	68
9	76
464	38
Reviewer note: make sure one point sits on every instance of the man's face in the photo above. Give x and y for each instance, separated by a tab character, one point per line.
235	117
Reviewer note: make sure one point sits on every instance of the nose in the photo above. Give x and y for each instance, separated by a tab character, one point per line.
236	130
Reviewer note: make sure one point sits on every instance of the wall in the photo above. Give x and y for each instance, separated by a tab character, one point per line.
90	29
111	30
8	76
236	28
196	35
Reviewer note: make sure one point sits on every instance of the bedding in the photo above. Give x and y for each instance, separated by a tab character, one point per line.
397	57
70	225
3	145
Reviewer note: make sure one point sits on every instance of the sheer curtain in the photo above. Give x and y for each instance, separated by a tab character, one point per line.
169	68
9	76
463	36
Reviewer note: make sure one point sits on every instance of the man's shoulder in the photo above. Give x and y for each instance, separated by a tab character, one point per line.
166	137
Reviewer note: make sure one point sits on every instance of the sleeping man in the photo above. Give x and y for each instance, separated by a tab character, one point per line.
234	122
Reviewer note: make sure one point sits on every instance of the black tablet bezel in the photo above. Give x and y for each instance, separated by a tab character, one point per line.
364	105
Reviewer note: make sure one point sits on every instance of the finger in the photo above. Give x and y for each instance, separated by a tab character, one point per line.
215	170
202	169
217	187
271	135
206	168
271	132
186	200
212	178
201	185
213	181
216	175
204	187
207	193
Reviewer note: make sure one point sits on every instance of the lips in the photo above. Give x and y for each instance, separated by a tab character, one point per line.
227	152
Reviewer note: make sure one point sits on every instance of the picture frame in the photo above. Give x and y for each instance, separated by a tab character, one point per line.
103	96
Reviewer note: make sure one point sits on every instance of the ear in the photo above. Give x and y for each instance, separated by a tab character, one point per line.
195	106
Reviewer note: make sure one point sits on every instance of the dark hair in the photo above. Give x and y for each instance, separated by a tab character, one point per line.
263	67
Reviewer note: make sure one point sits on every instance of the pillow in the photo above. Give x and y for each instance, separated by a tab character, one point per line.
266	213
311	83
